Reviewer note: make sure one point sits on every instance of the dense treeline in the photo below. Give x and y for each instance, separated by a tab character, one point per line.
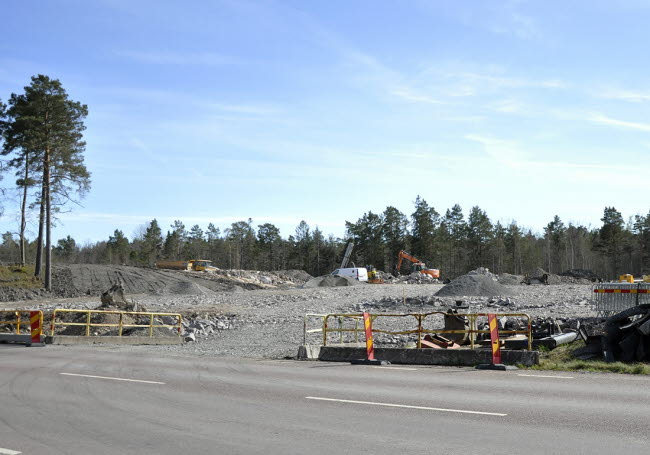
452	242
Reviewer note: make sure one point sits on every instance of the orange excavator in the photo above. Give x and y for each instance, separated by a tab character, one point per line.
418	266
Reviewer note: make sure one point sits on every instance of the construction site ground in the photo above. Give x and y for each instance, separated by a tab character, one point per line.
260	314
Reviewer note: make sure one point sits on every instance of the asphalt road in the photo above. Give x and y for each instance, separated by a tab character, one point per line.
82	400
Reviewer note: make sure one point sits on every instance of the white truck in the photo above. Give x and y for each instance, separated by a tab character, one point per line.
358	273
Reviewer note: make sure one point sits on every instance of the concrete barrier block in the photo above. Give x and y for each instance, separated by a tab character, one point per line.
451	357
308	352
127	340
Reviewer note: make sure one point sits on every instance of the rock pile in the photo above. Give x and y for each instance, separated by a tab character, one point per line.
579	276
473	284
413	278
330	281
283	278
204	327
510	280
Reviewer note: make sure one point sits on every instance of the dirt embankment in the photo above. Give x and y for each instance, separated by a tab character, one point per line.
76	280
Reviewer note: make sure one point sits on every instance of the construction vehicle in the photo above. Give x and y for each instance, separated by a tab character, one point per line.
627	278
417	265
346	256
201	265
174	265
373	275
358	273
198	265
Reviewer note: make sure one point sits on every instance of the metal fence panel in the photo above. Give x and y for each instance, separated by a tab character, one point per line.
612	298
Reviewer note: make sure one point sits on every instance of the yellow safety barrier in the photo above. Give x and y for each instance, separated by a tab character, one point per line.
19	319
322	317
120	325
420	330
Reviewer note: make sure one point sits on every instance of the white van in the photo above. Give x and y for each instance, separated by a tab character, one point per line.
358	273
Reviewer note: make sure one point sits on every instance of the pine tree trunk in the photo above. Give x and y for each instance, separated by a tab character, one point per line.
41	225
23	208
48	223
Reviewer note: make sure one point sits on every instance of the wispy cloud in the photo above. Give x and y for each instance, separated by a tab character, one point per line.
517	24
505	152
508	106
408	94
509	153
496	80
605	120
624	95
178	58
246	108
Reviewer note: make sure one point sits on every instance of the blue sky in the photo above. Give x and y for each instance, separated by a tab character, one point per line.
217	111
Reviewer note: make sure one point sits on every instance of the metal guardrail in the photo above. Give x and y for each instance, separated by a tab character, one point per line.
420	330
322	317
120	325
612	298
19	321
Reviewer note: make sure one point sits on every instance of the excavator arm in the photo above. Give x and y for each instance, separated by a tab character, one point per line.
404	255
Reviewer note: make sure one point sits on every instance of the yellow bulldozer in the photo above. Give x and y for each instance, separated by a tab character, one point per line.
197	265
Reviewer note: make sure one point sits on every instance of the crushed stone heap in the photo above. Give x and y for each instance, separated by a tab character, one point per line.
473	284
330	281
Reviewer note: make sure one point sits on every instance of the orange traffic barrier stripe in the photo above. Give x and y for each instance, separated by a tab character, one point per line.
622	291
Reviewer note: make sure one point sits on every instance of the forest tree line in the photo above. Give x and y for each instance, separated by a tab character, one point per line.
453	242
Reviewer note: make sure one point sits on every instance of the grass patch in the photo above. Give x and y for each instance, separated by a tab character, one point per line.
560	359
15	276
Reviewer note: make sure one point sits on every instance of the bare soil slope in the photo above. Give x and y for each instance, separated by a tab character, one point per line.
92	279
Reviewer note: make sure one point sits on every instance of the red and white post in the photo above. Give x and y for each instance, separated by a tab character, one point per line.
370	347
36	326
494	338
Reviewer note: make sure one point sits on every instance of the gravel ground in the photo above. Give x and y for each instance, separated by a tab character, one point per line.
268	323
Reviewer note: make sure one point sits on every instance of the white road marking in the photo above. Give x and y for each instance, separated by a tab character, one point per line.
108	377
425	408
397	368
541	376
8	452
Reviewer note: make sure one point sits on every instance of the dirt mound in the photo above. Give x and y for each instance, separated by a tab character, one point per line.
510	280
539	275
331	281
473	285
297	276
75	280
581	274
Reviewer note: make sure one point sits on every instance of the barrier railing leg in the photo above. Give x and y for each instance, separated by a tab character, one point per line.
88	324
120	327
472	333
419	331
151	325
370	345
496	347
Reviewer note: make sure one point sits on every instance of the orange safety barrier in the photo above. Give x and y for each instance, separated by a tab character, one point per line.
36	325
370	348
419	330
622	291
18	323
494	338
